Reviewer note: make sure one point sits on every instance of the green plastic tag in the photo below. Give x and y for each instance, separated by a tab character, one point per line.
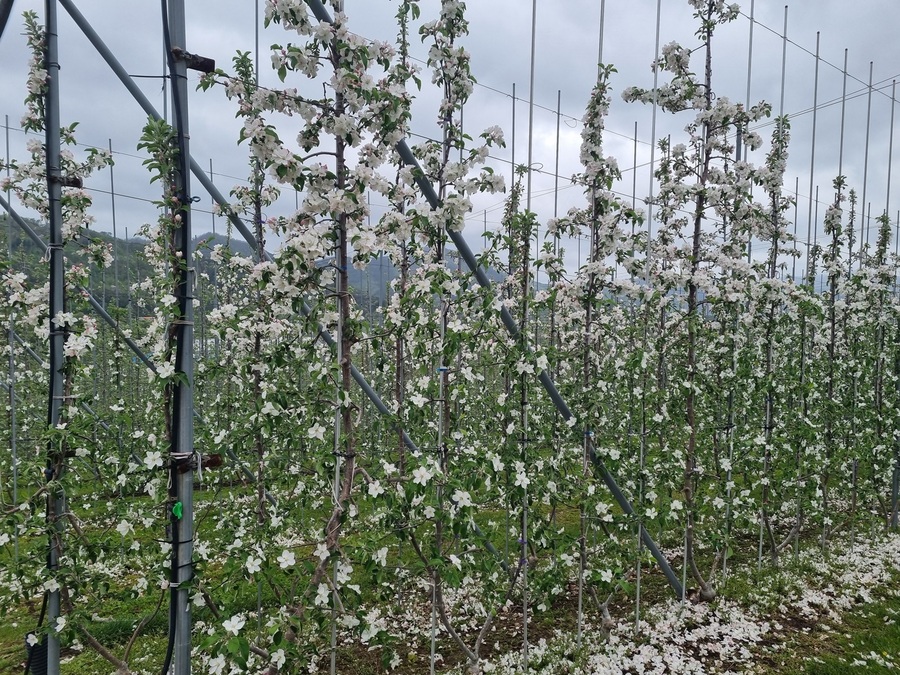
177	510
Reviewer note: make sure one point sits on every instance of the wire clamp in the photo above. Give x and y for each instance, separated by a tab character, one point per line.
204	64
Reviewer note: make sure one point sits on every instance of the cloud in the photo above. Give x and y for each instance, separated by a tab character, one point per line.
567	45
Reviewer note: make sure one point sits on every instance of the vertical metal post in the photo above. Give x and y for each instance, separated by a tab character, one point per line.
781	100
556	167
747	107
512	144
812	164
864	221
783	61
653	140
841	156
815	239
634	161
739	139
336	480
112	200
12	371
183	403
867	215
600	41
843	117
794	236
55	462
642	452
212	200
643	444
537	242
524	545
887	206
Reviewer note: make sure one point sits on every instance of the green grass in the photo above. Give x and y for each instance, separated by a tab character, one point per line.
868	630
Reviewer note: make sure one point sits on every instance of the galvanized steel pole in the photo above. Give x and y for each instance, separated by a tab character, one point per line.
864	221
55	455
811	227
182	441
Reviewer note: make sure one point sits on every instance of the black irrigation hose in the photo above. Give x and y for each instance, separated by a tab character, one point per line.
41	644
32	647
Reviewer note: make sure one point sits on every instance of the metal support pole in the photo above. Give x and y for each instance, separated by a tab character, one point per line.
784	41
5	10
750	55
747	107
600	41
887	206
653	142
812	164
112	200
537	242
55	458
182	441
739	140
843	117
864	221
531	106
794	236
12	373
780	114
556	167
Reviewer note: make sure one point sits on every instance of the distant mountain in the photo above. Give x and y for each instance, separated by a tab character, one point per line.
112	286
370	286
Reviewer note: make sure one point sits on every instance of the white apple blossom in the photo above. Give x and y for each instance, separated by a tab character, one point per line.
234	624
286	559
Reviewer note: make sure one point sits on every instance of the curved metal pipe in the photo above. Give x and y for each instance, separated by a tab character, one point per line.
5	10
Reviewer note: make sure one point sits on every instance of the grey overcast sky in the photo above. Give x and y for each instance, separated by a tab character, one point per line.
567	46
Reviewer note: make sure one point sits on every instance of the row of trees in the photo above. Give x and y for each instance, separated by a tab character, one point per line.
740	410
